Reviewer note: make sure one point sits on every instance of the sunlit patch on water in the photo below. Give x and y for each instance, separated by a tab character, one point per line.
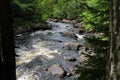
39	49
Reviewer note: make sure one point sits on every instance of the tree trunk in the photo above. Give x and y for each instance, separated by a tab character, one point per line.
7	53
2	76
114	49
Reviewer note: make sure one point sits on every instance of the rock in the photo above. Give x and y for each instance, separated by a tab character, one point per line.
54	20
65	21
43	78
82	58
72	46
33	27
90	35
54	78
57	69
40	26
72	70
21	30
79	26
68	34
81	31
69	58
74	21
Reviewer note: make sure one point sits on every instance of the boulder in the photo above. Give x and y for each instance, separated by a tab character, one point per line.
81	31
33	27
57	69
21	30
54	20
74	21
40	26
72	70
79	26
68	34
65	21
90	35
72	46
82	58
69	58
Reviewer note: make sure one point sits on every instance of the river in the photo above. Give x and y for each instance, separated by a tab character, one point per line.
41	49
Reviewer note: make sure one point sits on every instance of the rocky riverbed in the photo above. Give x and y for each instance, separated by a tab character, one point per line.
49	54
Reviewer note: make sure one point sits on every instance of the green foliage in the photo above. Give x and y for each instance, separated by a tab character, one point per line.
25	12
40	10
96	20
60	8
95	67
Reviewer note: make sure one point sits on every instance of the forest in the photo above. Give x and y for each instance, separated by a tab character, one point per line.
60	40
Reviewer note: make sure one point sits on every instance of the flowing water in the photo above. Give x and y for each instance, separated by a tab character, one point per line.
40	49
